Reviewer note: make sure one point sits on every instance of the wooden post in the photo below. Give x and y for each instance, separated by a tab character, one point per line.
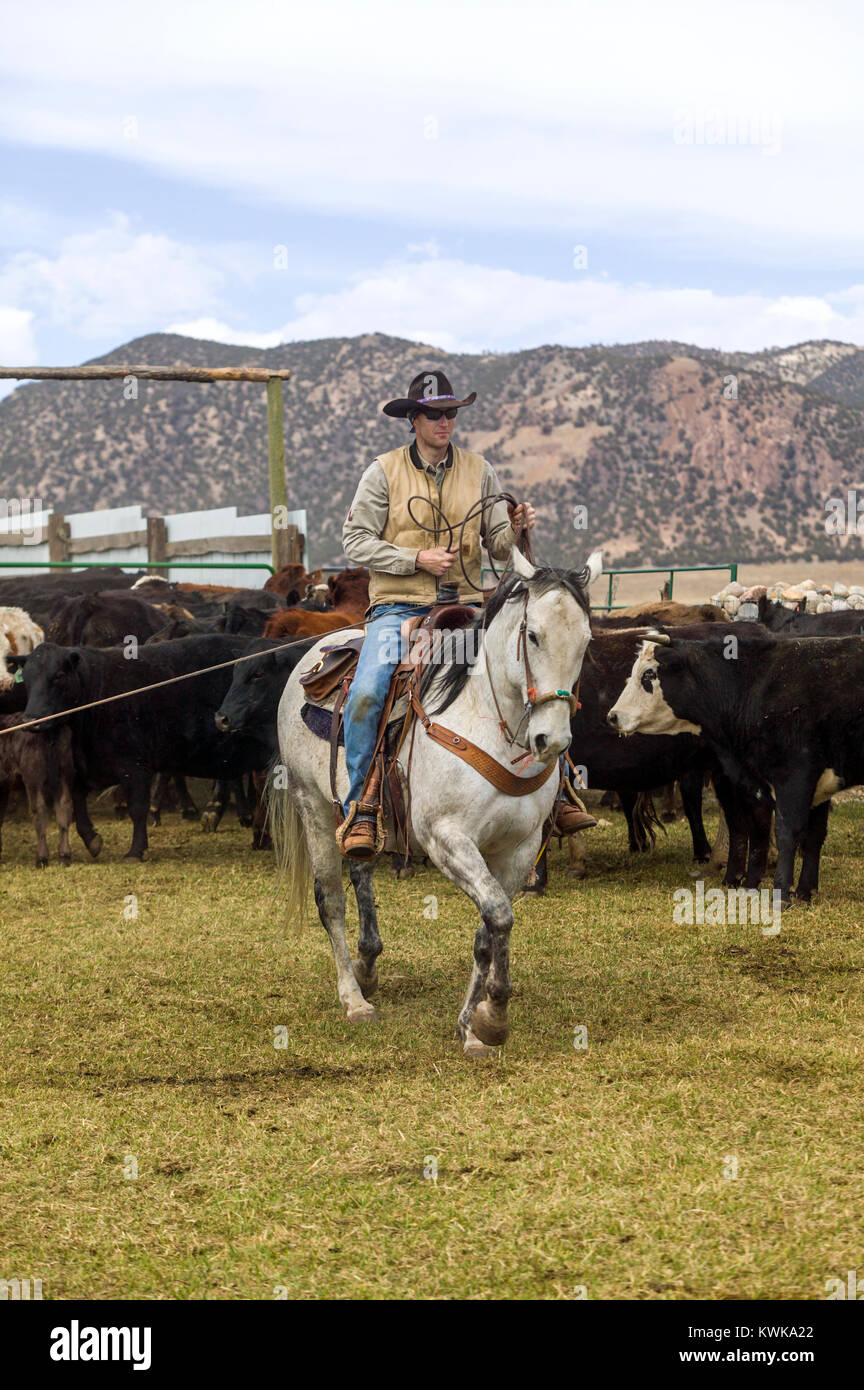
276	449
157	542
58	536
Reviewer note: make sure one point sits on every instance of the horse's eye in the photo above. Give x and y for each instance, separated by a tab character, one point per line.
533	637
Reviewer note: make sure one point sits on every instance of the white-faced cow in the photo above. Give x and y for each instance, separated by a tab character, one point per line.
18	636
784	717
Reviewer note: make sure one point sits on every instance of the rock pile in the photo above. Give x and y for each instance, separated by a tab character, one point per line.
807	596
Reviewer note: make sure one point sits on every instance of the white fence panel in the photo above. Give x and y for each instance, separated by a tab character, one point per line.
32	525
214	524
120	519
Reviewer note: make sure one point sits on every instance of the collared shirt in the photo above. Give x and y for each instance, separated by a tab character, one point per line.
367	517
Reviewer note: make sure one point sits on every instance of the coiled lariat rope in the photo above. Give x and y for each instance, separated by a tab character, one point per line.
522	541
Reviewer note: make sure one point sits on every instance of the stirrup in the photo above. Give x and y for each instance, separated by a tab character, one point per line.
368	847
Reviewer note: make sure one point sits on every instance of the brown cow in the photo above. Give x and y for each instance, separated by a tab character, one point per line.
349	594
292	582
667	612
42	764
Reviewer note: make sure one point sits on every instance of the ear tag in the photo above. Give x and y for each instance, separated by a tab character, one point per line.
19	676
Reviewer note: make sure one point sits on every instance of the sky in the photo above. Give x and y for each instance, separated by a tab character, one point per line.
478	177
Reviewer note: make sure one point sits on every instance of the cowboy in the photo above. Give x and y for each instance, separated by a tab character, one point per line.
392	538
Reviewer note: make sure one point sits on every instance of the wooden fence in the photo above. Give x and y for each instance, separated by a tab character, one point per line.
123	535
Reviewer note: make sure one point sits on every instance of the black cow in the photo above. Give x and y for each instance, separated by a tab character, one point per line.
846	622
103	620
785	720
251	705
129	741
40	595
635	768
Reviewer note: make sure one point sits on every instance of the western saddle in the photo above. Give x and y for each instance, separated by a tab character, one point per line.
385	795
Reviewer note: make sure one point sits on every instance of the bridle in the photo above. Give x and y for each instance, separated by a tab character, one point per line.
533	701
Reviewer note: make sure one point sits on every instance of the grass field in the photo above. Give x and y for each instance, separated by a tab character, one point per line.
150	1042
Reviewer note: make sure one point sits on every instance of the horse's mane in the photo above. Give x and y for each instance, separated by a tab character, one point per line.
449	675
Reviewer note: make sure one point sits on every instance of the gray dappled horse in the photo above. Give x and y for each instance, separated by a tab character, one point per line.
528	652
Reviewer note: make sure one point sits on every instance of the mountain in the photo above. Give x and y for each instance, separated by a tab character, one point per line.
679	454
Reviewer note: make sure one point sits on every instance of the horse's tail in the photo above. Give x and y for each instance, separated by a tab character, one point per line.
646	822
293	865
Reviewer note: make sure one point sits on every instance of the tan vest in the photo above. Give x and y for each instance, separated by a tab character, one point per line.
460	491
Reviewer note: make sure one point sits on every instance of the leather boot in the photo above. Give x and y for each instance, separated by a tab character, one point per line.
357	836
569	815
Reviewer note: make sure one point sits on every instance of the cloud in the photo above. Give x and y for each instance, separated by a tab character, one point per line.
215	331
588	117
111	281
17	342
465	307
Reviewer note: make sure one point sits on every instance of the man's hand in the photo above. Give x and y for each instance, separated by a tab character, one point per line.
437	561
523	517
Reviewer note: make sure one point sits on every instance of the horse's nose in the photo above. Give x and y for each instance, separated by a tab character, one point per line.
540	743
223	723
612	719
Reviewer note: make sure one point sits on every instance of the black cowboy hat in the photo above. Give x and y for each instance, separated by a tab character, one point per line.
428	388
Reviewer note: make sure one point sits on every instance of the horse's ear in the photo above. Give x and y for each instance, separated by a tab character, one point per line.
594	566
523	567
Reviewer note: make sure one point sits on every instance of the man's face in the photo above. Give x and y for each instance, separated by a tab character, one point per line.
435	434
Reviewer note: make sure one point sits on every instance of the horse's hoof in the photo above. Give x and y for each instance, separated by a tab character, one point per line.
41	863
490	1024
367	979
406	873
473	1047
65	860
209	821
154	818
362	1013
94	847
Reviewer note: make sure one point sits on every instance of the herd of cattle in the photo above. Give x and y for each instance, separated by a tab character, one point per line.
768	710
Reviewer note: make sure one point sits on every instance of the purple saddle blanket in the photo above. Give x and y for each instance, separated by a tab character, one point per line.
319	721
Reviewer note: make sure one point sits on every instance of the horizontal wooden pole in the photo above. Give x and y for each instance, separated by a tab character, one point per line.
228	545
16	538
202	374
123	540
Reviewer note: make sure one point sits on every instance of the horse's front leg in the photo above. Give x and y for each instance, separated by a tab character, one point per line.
483	1020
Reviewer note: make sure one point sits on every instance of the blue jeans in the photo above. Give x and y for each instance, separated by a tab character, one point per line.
380	655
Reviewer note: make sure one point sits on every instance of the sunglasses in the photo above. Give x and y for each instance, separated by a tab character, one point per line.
432	414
